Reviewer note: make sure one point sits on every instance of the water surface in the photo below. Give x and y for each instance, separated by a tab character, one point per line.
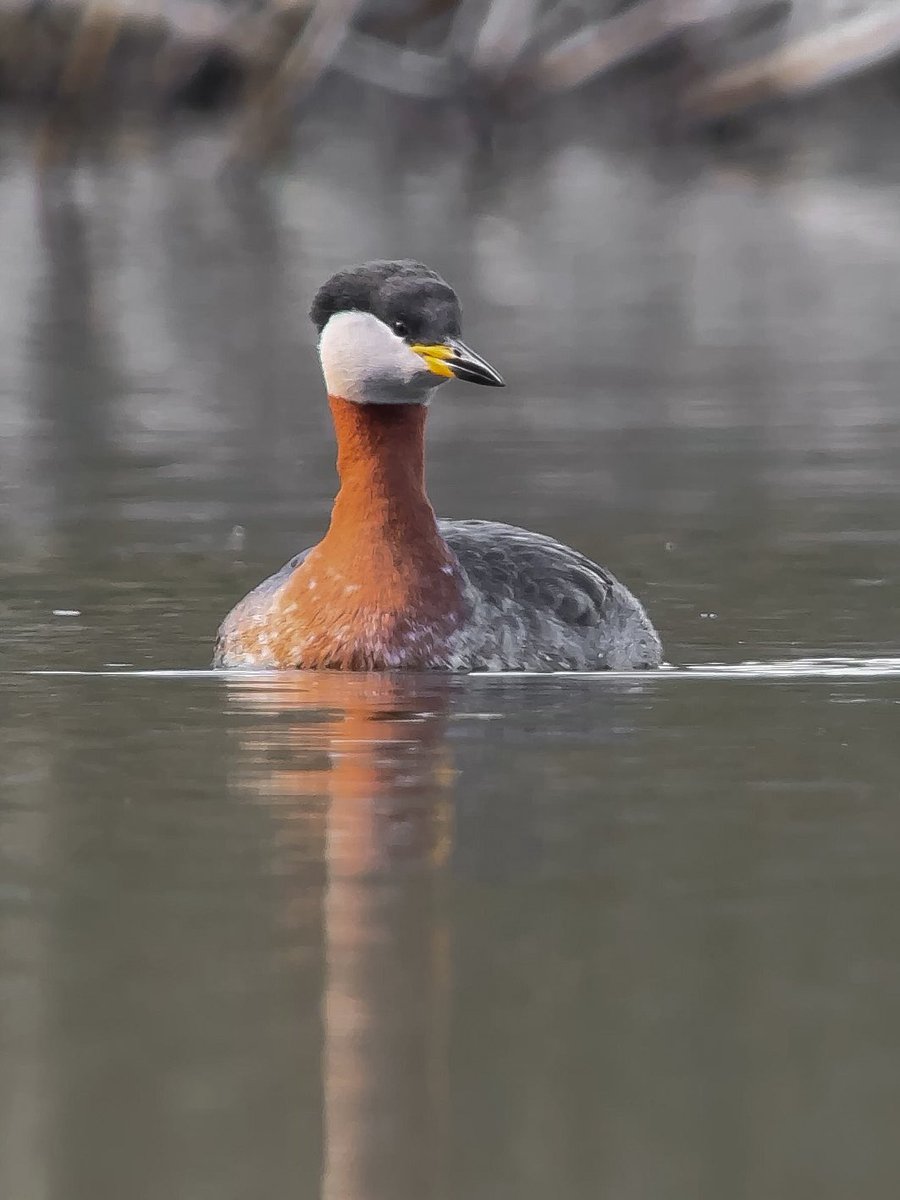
389	938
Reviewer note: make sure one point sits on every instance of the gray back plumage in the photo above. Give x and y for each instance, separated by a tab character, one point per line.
539	605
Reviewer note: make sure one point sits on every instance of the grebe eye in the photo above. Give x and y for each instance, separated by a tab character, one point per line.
400	328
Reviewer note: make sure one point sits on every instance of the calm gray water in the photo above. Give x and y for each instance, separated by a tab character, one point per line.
381	938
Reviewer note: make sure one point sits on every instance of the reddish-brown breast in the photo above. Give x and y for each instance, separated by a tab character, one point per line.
381	589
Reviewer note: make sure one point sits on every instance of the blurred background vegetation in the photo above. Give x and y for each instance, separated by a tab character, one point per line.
670	69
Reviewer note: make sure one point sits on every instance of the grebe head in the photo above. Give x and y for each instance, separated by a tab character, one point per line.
389	334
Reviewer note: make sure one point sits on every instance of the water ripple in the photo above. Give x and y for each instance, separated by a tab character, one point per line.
797	668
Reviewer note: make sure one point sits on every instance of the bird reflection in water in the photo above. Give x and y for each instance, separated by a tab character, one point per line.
357	774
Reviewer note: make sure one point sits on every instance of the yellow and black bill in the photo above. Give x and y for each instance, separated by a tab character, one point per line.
454	360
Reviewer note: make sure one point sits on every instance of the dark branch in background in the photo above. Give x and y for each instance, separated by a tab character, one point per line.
642	29
270	105
802	67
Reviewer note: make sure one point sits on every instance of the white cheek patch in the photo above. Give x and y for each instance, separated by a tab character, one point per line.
365	362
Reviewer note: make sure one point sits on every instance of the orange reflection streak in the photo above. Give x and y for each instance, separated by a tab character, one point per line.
360	764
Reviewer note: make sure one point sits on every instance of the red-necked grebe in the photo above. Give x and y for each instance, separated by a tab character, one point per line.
389	586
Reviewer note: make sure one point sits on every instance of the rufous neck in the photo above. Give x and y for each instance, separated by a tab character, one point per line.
381	464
